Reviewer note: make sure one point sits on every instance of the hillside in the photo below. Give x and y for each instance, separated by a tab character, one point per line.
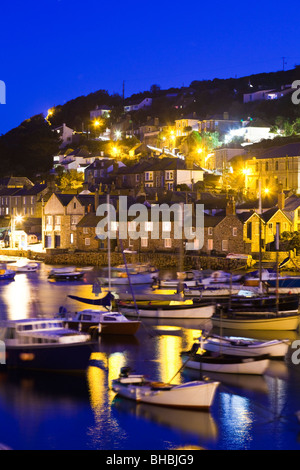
28	149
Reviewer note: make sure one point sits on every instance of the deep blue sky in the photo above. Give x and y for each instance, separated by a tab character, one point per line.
54	50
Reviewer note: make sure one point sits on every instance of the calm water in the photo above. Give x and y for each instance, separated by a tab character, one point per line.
57	411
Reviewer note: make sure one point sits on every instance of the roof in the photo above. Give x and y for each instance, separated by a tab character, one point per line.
266	216
213	220
292	203
288	150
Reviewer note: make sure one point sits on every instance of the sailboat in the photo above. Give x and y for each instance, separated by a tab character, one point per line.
261	311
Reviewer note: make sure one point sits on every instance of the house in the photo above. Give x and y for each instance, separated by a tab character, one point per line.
61	214
77	159
223	233
169	172
269	94
132	177
252	131
278	165
186	125
137	105
101	171
258	95
26	201
222	156
219	123
100	111
65	135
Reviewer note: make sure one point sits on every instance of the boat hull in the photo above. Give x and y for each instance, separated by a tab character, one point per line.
107	328
191	395
228	365
72	357
66	276
133	279
273	322
231	346
170	311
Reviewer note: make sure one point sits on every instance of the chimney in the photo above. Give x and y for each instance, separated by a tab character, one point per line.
281	197
230	207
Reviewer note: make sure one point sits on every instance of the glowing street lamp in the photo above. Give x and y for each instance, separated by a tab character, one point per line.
118	135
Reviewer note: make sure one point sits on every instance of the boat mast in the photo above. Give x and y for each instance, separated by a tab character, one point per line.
260	237
277	268
108	242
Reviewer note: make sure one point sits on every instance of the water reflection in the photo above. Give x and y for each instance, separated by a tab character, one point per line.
199	423
18	298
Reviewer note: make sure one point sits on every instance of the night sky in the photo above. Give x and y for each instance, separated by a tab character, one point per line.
55	50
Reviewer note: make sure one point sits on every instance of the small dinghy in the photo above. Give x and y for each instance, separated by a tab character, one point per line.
192	395
240	346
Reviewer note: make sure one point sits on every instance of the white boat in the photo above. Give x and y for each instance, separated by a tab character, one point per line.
44	344
186	278
225	364
66	274
132	273
193	395
259	313
24	268
240	346
168	309
102	320
110	323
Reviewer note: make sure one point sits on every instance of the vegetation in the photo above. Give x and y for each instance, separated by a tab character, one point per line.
29	148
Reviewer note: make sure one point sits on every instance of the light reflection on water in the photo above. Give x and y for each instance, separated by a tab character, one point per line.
83	413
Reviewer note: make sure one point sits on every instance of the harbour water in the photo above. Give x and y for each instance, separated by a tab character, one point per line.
80	412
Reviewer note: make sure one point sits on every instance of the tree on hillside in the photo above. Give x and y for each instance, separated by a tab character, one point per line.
29	148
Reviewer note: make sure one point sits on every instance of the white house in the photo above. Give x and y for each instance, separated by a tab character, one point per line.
65	134
100	111
135	106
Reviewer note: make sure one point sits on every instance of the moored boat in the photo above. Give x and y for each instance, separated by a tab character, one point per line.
66	274
168	309
44	344
240	346
7	274
259	313
131	273
102	320
192	395
111	323
24	268
225	364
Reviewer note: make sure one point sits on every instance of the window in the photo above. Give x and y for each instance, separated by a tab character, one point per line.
210	231
87	241
234	231
148	226
85	230
168	243
144	242
276	165
210	244
271	227
166	227
224	245
149	175
71	238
